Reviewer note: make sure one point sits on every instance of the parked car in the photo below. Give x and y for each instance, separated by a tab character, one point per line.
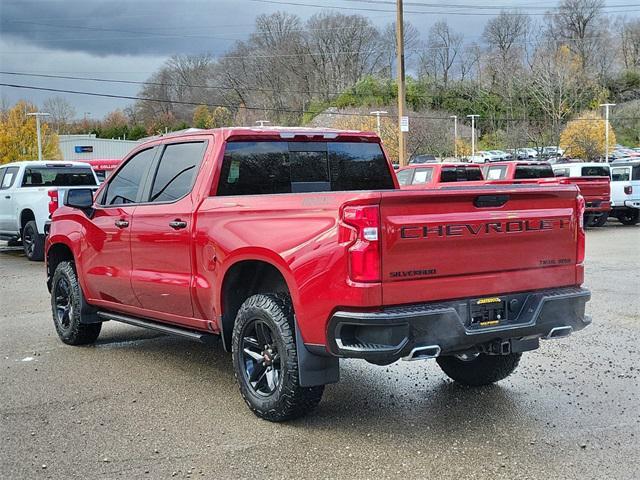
419	176
103	168
30	191
625	191
594	181
500	156
296	248
481	157
527	153
552	151
422	158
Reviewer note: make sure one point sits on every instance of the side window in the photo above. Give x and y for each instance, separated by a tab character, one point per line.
561	172
177	171
620	174
404	176
124	186
496	173
2	170
422	175
471	174
9	177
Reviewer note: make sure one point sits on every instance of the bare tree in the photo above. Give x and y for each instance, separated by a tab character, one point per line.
62	113
578	23
505	36
411	45
630	43
442	49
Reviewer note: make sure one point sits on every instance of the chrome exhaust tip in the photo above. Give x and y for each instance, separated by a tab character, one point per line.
423	353
559	332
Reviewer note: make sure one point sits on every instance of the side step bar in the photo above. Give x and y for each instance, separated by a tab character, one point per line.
161	327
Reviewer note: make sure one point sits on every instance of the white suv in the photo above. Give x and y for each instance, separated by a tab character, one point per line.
30	192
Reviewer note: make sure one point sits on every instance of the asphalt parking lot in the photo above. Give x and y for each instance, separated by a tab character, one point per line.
143	405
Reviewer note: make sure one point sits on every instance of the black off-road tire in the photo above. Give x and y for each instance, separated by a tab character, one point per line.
33	242
70	329
481	370
600	221
630	217
289	400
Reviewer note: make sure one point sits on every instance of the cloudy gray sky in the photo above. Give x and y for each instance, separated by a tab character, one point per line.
128	40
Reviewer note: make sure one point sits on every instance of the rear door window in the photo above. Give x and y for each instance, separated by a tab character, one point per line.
177	171
635	174
404	176
497	172
9	177
533	171
125	186
620	174
254	168
595	171
561	172
422	176
460	174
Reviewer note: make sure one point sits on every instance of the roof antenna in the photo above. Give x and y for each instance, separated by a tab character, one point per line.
262	122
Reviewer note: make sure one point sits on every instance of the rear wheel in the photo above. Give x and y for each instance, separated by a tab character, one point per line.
480	369
33	242
265	360
600	221
67	305
630	216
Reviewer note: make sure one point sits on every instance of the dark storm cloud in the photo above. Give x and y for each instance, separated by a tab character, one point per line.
134	27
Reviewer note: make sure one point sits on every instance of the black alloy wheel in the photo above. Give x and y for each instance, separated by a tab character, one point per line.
261	358
63	303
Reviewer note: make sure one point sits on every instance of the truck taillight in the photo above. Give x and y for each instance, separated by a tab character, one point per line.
53	201
628	190
364	253
581	235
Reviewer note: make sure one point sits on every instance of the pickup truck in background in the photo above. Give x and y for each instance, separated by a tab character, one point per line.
518	171
30	192
421	176
296	248
625	191
594	181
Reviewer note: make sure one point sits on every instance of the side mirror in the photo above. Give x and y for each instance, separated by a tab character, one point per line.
81	198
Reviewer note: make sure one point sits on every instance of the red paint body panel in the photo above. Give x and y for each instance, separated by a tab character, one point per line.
595	190
151	270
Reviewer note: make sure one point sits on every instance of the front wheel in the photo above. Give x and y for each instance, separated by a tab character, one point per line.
68	307
265	360
599	221
33	242
480	369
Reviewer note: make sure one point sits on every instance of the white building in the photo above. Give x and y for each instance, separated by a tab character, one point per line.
88	147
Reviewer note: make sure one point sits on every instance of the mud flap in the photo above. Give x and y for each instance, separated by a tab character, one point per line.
313	369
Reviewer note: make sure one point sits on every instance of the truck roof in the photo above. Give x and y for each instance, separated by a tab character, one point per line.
45	163
517	162
275	132
440	164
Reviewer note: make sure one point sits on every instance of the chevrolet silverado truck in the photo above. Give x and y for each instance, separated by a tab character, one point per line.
432	175
594	181
30	191
297	248
625	191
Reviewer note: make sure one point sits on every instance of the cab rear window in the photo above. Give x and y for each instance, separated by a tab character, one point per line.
267	167
595	171
533	171
58	177
460	174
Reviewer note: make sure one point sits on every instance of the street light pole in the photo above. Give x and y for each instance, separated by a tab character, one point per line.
473	134
38	115
377	113
455	136
402	141
606	129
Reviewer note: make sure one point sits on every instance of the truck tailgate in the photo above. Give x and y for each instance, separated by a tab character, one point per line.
592	188
461	242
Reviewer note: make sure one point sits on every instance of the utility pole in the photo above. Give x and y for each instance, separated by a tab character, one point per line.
473	134
455	136
402	119
606	129
377	113
38	115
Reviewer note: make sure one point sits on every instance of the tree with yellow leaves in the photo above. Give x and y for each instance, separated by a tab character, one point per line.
585	137
19	138
368	123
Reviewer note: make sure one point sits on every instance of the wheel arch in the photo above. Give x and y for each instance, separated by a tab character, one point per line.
57	252
26	215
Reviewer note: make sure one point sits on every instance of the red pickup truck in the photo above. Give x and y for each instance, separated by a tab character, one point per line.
297	248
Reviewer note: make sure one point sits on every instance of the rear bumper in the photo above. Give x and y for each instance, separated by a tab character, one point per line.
597	206
632	203
445	328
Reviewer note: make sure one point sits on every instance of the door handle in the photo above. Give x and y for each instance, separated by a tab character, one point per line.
178	224
7	197
122	223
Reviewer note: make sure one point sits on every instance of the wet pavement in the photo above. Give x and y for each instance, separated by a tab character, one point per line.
143	405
